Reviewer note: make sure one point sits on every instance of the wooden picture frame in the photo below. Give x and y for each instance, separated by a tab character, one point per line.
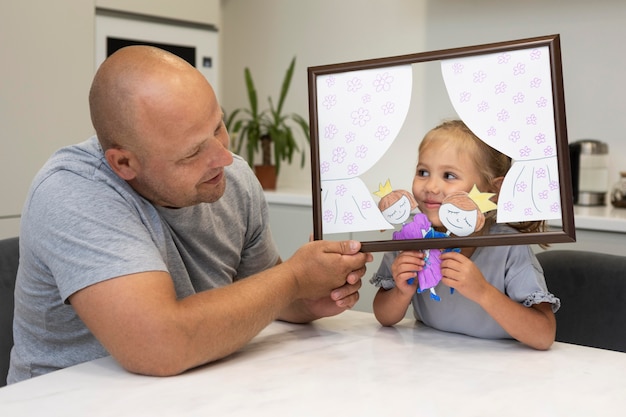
334	129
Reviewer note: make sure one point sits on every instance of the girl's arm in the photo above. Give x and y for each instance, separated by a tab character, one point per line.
534	326
390	305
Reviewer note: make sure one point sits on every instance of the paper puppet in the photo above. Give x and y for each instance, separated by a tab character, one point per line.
461	213
397	206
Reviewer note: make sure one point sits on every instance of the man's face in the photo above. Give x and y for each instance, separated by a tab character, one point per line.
183	145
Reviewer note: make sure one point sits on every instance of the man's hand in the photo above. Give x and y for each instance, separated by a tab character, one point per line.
340	300
328	276
321	266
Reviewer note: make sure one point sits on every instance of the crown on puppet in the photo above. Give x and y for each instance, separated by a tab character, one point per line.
383	190
482	200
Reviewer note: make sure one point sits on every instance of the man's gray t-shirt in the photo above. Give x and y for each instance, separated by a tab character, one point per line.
82	224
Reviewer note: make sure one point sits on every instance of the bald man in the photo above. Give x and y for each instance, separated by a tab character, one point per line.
150	241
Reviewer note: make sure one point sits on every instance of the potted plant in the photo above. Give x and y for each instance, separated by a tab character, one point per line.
268	131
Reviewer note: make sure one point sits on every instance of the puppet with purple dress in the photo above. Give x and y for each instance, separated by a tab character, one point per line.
460	212
397	206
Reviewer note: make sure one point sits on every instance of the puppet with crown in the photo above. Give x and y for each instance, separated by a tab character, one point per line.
460	212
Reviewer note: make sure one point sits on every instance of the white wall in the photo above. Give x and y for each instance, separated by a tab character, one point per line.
201	11
45	73
318	32
47	60
326	31
592	43
47	50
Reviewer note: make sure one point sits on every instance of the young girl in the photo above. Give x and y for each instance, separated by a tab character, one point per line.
500	290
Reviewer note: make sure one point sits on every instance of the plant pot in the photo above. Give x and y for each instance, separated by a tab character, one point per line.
266	175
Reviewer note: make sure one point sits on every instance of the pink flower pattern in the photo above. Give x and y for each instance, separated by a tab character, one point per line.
353	169
500	88
354	84
360	117
540	138
479	76
360	113
388	107
330	131
383	82
341	190
519	69
339	155
329	101
361	151
381	132
509	106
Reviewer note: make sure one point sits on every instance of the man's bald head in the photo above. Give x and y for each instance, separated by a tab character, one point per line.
119	85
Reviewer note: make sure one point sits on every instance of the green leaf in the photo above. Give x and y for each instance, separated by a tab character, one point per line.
285	87
252	97
248	125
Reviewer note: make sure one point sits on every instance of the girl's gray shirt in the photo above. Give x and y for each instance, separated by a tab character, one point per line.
513	270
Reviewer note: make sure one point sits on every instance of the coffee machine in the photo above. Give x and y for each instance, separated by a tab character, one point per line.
590	173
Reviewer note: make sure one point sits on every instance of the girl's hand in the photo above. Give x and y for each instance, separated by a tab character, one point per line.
404	268
460	273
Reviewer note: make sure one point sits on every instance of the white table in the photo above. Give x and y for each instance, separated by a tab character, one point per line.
345	366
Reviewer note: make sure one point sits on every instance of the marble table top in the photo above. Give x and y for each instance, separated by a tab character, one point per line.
346	365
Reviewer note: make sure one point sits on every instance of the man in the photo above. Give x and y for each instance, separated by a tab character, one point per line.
136	243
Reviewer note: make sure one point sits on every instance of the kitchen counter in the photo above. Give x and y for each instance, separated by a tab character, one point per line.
289	197
603	218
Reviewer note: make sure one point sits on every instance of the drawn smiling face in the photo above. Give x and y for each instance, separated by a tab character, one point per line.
457	221
399	211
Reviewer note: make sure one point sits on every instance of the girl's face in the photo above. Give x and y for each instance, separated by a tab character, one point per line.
441	170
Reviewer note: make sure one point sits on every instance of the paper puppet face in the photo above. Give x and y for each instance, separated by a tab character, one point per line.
462	213
399	211
458	221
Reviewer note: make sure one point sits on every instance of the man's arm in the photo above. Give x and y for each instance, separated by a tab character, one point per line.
339	300
139	320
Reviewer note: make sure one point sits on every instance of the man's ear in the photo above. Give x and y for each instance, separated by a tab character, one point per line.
123	162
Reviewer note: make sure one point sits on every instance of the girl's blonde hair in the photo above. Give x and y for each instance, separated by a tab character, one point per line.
490	163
